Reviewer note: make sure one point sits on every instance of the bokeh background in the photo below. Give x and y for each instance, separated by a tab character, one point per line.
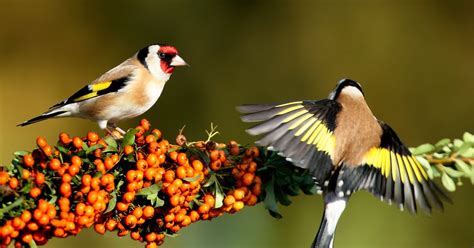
415	60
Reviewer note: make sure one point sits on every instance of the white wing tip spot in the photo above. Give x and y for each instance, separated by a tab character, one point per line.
340	183
340	194
348	192
319	192
326	183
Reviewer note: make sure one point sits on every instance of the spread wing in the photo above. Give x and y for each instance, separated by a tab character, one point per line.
301	131
394	174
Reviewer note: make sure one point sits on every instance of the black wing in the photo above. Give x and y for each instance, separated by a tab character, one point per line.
392	173
301	131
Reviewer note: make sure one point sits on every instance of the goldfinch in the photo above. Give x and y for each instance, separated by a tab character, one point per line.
124	92
346	149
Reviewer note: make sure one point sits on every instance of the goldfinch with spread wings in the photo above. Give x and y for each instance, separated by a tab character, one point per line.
124	92
346	149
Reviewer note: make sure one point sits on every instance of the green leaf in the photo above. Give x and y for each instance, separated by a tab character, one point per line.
111	144
469	153
282	197
93	148
85	147
112	203
53	200
448	182
32	244
212	179
452	172
468	137
462	166
270	199
20	153
423	149
192	179
129	137
442	143
426	165
219	201
464	147
457	143
62	149
151	190
13	205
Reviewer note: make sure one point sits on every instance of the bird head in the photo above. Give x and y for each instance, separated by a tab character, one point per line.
346	86
160	60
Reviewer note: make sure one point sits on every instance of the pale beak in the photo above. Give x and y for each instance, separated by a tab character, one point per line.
178	61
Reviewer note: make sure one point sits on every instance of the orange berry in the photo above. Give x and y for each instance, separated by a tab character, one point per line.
169	217
238	205
128	197
86	180
41	142
148	212
247	178
35	192
229	200
77	142
74	169
64	138
27	238
252	200
39	180
239	194
138	212
43	220
209	200
150	237
109	163
93	137
128	149
150	138
174	200
142	165
194	216
130	220
173	155
65	189
145	124
25	174
76	160
197	165
182	158
214	155
13	183
48	151
131	176
28	160
54	164
25	216
135	235
152	160
111	225
204	208
169	176
171	189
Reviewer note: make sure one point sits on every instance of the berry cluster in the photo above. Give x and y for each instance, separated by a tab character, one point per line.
139	186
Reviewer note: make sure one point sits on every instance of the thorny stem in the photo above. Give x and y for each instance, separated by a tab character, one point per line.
211	133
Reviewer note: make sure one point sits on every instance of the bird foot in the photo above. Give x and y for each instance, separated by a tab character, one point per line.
116	134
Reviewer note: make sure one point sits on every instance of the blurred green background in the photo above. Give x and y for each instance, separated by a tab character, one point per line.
415	60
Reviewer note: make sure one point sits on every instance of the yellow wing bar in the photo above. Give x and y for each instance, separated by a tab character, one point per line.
389	161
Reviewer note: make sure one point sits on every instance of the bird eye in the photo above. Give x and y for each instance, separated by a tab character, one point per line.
161	55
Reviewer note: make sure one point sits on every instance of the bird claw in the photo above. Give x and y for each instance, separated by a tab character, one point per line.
116	134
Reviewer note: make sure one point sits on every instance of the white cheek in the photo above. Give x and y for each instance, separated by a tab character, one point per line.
154	66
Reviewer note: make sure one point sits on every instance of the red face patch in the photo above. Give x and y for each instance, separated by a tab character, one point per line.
166	54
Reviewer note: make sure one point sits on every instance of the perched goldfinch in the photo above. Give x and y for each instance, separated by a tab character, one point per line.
124	92
345	148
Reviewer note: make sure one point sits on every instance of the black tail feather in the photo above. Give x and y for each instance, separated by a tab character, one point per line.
40	118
